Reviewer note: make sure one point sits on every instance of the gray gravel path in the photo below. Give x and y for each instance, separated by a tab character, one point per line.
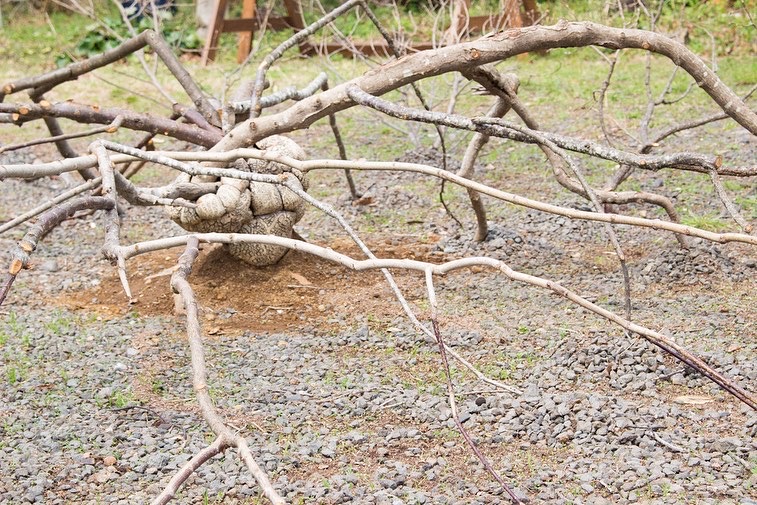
99	409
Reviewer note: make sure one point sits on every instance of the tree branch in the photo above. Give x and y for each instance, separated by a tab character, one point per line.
226	437
89	114
489	49
22	252
664	342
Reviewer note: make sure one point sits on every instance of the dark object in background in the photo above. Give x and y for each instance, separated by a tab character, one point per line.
418	5
136	9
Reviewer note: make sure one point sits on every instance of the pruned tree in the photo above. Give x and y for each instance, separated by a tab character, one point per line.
246	184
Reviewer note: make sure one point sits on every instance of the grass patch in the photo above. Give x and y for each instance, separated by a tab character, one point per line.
16	348
709	222
60	323
120	399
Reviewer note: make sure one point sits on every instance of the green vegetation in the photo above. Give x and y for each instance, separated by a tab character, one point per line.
16	348
121	399
503	365
110	31
60	323
711	222
561	88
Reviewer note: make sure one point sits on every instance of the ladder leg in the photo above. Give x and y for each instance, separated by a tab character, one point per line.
245	38
296	20
214	33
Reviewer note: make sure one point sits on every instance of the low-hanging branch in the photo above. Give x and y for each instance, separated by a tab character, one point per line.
662	341
170	158
497	127
489	49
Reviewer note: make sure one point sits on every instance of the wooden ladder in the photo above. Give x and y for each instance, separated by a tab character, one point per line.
246	26
461	23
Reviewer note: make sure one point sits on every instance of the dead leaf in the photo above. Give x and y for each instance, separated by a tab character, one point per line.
366	200
300	278
693	399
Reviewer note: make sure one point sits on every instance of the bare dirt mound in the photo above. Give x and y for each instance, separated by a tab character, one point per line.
301	290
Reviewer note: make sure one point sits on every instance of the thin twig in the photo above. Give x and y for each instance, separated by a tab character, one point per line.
111	128
302	35
603	96
50	203
728	203
667	444
342	150
451	391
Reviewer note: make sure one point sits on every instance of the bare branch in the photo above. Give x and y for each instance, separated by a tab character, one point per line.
488	49
111	128
501	128
688	125
226	437
132	120
603	96
111	246
662	341
728	203
302	35
171	158
169	493
48	221
289	93
478	141
50	203
451	392
43	83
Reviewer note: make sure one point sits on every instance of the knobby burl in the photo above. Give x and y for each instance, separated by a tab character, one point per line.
249	207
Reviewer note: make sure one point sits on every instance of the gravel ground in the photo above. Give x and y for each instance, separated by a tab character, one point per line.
98	408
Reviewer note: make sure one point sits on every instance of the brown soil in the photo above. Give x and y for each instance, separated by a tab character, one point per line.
299	290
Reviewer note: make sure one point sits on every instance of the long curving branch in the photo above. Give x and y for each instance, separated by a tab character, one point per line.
660	340
174	158
497	47
226	437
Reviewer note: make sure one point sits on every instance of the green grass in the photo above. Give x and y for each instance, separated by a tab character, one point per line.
16	349
711	222
730	26
60	323
560	88
121	399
